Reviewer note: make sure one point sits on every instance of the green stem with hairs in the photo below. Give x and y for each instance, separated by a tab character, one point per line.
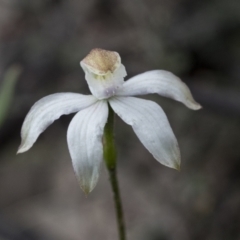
110	156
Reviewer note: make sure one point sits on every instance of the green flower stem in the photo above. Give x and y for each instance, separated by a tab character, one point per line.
110	156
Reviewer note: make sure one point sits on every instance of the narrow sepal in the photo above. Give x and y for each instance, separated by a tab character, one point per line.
161	82
151	125
84	138
47	110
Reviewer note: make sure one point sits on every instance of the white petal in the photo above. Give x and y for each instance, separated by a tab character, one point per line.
85	143
47	110
151	125
105	86
161	82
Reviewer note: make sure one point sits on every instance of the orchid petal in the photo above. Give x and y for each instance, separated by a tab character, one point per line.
84	138
151	125
161	82
47	110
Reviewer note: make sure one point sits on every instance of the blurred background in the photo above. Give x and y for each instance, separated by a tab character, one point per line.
41	44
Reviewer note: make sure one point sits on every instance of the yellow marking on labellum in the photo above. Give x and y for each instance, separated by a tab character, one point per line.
102	62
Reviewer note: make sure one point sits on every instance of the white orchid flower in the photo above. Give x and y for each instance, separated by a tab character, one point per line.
105	77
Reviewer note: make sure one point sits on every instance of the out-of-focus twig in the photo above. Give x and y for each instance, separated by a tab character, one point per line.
7	90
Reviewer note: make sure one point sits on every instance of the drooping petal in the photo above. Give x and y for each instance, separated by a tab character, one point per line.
161	82
47	110
85	143
151	125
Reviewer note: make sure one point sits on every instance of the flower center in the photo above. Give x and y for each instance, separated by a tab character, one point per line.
104	72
